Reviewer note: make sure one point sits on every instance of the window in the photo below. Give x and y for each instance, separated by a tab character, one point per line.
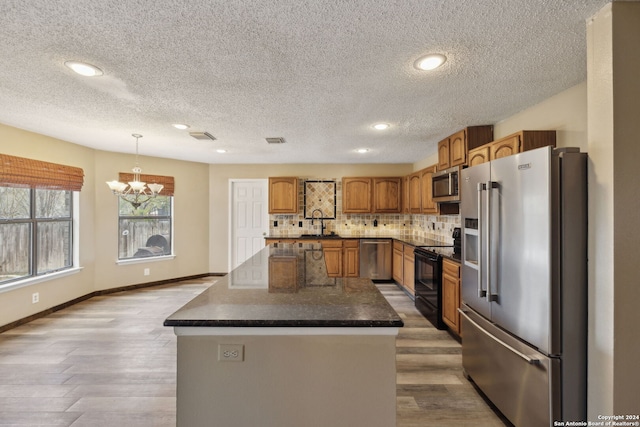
146	231
36	232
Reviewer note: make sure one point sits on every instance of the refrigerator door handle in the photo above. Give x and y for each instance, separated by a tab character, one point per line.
529	360
481	292
489	186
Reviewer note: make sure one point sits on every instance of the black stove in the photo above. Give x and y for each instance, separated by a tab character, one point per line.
428	277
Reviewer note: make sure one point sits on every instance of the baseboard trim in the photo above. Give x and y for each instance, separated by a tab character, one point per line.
102	292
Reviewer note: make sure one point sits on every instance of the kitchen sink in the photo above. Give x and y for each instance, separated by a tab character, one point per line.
319	236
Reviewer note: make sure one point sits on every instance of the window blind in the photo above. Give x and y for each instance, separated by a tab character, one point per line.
23	172
167	181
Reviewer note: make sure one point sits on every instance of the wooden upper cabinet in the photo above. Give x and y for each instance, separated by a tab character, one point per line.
405	195
524	140
427	203
479	155
356	195
518	142
458	148
387	195
415	193
452	151
443	154
504	147
283	195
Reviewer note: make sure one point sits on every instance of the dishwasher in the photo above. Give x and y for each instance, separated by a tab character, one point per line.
375	259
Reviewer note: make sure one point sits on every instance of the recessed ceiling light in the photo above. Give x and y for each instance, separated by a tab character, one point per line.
180	126
430	62
362	150
381	126
221	151
83	69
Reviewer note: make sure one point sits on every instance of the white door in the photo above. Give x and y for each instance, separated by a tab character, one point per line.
249	218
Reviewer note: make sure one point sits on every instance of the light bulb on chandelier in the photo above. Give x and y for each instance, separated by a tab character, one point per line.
135	192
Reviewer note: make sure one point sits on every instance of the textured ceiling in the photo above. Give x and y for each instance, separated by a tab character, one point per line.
318	73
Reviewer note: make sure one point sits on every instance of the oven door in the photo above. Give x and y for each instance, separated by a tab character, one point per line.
428	285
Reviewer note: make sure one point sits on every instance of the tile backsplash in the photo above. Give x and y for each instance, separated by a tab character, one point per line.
436	227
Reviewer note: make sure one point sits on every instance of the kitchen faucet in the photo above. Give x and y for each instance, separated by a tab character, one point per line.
321	220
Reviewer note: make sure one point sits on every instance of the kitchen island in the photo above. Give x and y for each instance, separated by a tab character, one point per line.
277	342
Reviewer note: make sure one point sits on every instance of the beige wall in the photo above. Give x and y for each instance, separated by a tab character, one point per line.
614	104
566	113
219	176
191	221
426	162
17	304
99	224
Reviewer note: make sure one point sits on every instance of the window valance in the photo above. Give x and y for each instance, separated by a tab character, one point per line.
22	172
167	181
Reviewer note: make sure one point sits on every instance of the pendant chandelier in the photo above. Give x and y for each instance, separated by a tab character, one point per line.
135	192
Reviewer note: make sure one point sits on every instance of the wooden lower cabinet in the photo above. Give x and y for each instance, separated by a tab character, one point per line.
404	266
409	269
283	274
451	294
333	261
398	262
332	250
351	257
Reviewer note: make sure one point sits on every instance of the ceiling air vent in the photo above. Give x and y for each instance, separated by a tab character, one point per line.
275	140
203	135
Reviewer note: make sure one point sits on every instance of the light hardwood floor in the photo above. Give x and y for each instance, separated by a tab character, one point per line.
108	361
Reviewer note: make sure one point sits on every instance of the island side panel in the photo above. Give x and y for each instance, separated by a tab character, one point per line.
288	381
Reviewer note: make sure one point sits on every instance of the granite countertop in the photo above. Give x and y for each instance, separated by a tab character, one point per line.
414	241
436	246
257	294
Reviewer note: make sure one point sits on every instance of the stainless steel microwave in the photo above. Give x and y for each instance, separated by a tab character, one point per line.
445	185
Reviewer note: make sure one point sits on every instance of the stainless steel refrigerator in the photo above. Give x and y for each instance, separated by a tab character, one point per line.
524	284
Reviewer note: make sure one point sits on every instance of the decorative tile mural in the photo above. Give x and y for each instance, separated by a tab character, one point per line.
320	195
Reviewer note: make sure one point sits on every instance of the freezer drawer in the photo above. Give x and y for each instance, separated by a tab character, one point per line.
515	377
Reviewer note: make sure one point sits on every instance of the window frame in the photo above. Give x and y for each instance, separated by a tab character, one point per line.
33	220
138	260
